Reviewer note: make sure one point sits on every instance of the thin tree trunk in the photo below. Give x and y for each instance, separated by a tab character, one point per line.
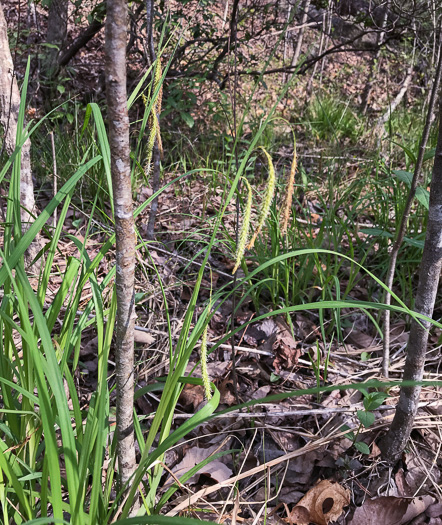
429	274
56	36
150	230
9	108
379	127
403	224
309	88
297	51
328	29
31	20
374	62
115	71
284	54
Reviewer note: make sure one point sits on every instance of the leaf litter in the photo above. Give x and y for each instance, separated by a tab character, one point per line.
292	455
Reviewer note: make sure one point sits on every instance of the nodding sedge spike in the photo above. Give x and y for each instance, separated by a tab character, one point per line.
156	83
244	233
290	190
158	102
204	371
267	201
154	117
153	132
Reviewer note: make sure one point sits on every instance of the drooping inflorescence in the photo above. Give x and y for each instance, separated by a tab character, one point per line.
244	233
289	193
267	201
204	370
264	211
154	117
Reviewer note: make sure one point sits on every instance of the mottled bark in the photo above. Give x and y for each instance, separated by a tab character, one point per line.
429	274
9	108
115	70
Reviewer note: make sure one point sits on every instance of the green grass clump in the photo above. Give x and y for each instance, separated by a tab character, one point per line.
329	119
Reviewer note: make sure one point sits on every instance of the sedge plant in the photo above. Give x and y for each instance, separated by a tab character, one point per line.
48	434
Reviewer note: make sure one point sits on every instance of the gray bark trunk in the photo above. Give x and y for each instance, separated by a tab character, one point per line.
429	274
9	108
115	70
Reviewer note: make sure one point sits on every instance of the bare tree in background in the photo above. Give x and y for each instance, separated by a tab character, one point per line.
300	35
429	274
9	109
374	64
115	71
379	129
56	36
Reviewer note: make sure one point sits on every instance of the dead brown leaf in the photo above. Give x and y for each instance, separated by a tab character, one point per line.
434	511
285	347
358	339
192	395
305	330
322	504
90	348
401	483
143	338
398	334
391	510
227	397
415	475
215	469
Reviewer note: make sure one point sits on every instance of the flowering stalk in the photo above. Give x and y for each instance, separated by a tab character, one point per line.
154	118
204	371
158	102
290	190
241	248
267	202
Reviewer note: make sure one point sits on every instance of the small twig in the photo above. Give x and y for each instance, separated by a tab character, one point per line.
288	30
244	349
287	413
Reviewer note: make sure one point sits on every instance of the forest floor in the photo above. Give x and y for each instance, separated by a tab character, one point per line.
294	461
308	458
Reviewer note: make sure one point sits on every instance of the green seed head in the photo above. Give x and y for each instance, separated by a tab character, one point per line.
267	201
244	233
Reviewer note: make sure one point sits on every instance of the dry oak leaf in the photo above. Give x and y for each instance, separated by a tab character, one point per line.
192	395
143	338
285	347
322	504
390	510
216	470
